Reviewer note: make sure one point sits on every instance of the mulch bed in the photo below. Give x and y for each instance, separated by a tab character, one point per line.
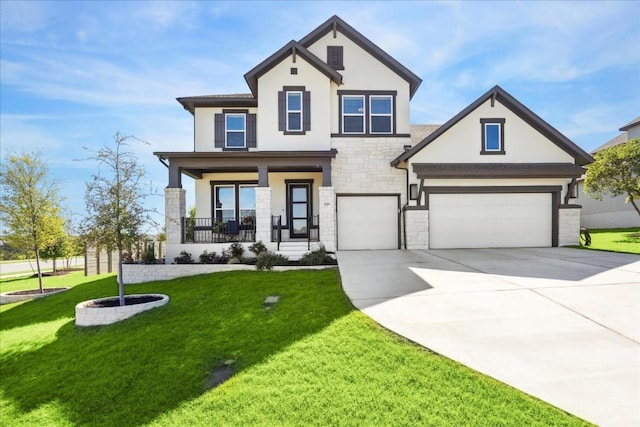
35	291
128	300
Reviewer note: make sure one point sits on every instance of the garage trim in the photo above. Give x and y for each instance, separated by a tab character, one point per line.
397	195
554	190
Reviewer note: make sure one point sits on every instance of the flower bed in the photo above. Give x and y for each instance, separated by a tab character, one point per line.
105	311
16	296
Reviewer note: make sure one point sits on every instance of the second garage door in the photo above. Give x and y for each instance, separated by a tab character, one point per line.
368	222
490	220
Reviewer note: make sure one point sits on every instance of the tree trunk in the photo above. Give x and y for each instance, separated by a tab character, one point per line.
120	281
633	203
39	270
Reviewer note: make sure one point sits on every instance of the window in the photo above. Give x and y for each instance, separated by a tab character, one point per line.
368	113
235	129
381	113
225	202
334	57
234	202
353	114
247	201
492	136
294	111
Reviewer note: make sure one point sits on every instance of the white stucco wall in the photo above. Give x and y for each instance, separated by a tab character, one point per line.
204	127
462	142
364	72
319	86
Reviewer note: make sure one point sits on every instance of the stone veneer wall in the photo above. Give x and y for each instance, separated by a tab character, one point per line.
327	212
174	209
417	221
263	214
569	225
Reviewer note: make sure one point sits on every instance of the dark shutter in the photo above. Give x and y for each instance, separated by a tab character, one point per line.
306	110
282	111
219	131
251	131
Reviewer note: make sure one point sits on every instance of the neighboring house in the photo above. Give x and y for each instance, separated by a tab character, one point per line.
322	149
610	212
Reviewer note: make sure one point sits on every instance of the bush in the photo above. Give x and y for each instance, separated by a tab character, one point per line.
149	257
267	260
318	257
258	248
208	257
183	258
236	250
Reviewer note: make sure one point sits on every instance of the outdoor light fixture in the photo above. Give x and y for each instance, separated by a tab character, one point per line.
413	191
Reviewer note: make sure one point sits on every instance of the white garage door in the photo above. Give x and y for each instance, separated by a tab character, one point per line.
489	220
367	222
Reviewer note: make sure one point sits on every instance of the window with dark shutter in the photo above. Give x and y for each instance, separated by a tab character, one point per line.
334	57
294	110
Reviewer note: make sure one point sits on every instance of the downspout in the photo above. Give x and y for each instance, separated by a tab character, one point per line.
404	208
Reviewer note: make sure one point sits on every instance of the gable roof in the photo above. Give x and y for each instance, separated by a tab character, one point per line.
622	138
497	93
291	48
633	123
335	23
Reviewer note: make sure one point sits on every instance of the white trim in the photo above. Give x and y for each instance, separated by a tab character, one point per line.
486	140
372	115
288	110
363	114
227	131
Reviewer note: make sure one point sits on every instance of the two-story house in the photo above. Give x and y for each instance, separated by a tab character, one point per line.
321	149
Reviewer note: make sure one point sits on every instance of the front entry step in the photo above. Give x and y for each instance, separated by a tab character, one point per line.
295	250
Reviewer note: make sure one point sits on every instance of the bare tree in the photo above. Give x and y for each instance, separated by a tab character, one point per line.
114	201
30	204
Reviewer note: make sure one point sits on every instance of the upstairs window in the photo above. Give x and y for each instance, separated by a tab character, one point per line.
294	111
334	57
353	114
235	130
381	115
492	136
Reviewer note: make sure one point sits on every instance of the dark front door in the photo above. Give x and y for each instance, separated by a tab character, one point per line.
299	209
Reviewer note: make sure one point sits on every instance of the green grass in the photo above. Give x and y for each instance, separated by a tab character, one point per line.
625	240
311	360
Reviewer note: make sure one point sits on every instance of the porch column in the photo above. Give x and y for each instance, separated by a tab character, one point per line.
174	210
263	214
327	212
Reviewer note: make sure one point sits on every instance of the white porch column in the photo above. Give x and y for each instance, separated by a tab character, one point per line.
263	214
327	212
174	210
569	225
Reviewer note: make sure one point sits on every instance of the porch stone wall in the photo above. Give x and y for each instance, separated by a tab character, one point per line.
569	226
174	210
327	212
417	226
263	214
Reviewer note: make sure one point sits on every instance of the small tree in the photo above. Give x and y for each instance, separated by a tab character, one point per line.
616	171
30	205
114	201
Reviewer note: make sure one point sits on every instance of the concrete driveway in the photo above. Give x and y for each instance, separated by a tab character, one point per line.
557	323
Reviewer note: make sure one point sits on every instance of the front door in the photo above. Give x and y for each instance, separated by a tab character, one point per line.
299	209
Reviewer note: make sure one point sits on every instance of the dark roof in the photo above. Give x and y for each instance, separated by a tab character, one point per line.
497	170
293	47
633	123
497	93
336	23
622	138
229	100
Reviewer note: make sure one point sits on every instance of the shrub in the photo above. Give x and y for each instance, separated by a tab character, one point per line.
318	257
267	260
149	257
258	248
207	257
236	250
183	258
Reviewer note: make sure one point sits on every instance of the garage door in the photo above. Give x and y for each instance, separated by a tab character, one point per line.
368	222
490	220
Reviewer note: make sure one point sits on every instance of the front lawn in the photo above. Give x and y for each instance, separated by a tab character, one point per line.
626	240
309	360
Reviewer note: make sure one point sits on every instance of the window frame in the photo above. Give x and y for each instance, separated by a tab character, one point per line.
372	114
342	94
484	123
363	114
237	208
288	110
243	131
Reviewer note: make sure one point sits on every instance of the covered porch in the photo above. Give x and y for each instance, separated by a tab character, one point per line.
246	197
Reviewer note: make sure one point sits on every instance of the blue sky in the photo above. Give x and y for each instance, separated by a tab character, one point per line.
74	73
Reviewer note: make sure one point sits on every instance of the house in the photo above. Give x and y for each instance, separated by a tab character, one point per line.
610	212
321	150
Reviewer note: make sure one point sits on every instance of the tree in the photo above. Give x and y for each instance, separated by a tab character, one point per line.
114	201
616	171
30	205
